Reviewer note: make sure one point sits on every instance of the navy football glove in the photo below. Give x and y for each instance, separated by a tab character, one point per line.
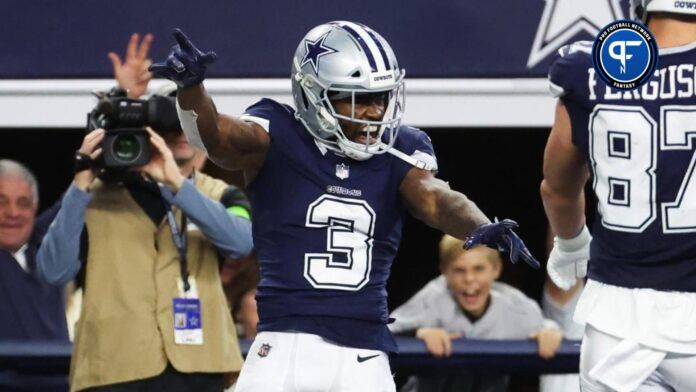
499	235
185	65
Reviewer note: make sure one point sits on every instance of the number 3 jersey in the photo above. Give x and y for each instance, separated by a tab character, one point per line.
640	149
326	229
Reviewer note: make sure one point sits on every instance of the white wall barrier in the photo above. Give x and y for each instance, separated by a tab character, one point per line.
64	103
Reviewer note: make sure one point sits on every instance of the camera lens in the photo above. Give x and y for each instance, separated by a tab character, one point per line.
126	148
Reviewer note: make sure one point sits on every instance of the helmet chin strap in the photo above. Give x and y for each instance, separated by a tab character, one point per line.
357	151
354	154
330	120
411	160
363	156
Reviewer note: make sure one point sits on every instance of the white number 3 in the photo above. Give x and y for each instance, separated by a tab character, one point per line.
350	225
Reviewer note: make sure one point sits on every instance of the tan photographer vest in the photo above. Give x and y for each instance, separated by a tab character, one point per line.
126	329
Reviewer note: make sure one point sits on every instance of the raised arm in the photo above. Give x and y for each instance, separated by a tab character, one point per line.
132	73
57	260
230	234
229	142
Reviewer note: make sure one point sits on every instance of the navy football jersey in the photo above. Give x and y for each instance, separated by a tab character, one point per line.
326	229
639	147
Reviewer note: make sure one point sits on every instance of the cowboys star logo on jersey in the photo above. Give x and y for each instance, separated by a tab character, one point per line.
563	20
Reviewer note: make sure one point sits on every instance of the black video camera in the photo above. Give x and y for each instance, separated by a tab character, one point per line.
124	119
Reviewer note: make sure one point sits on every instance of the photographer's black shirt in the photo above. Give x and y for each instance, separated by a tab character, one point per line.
147	195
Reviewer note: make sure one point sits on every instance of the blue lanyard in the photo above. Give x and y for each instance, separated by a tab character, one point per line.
180	242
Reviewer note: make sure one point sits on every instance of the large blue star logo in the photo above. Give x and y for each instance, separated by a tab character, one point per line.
314	50
562	20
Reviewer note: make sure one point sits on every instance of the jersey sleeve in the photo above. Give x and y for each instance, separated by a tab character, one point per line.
568	70
261	113
417	145
424	150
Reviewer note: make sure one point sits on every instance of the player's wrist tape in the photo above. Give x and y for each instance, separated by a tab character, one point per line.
239	211
576	243
187	118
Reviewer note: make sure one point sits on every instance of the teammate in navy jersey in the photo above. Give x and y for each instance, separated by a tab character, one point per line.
329	181
639	305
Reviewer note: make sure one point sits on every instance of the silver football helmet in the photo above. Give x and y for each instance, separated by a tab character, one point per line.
339	60
641	8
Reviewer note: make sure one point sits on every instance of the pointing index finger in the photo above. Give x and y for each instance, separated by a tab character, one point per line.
181	39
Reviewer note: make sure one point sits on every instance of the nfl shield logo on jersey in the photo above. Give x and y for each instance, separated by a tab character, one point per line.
264	350
342	171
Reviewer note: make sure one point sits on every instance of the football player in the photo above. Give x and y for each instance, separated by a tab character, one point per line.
329	181
639	304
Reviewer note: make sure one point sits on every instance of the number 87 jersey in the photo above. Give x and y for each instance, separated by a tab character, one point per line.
326	229
640	149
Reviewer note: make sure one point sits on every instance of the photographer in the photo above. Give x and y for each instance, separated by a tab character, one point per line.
150	238
134	272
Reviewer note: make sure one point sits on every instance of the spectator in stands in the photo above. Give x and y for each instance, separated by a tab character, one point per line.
466	301
140	328
31	309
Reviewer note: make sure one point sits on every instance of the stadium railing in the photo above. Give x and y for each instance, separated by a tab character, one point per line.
513	356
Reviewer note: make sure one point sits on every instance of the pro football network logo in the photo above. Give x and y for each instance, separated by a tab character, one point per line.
625	54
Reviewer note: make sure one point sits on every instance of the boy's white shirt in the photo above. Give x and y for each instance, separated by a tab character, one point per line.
510	315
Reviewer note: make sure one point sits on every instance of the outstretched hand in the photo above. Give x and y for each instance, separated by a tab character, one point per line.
185	65
132	73
500	236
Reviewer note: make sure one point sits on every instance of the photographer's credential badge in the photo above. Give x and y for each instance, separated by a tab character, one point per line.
625	54
188	327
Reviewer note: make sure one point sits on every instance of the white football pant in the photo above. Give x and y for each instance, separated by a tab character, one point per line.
609	363
301	362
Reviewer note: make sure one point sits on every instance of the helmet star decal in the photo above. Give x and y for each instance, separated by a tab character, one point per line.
359	61
314	50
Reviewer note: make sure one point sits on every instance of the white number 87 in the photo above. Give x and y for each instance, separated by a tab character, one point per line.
624	144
